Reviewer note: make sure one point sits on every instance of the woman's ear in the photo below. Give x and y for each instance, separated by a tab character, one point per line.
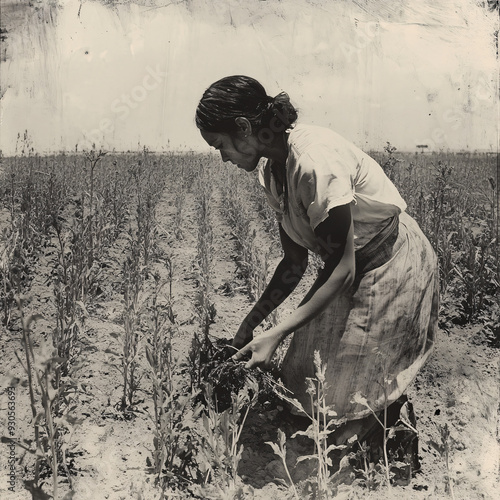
244	126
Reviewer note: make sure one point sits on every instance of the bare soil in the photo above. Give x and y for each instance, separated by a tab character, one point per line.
458	387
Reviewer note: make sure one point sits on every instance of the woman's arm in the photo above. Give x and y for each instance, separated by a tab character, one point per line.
335	235
287	275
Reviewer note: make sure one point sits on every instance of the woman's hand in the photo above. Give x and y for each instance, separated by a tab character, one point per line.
261	348
243	336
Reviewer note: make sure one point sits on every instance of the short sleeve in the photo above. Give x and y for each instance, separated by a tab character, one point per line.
264	180
324	181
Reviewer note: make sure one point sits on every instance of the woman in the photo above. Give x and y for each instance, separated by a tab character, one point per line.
372	311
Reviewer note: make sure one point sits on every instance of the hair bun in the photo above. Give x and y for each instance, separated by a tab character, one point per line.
284	110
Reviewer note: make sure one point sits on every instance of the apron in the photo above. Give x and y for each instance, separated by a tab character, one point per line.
374	337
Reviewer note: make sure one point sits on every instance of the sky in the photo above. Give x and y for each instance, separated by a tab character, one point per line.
127	75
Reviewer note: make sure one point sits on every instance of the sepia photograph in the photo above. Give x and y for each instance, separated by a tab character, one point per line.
249	249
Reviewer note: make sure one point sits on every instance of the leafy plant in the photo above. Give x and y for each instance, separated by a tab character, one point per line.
280	450
222	432
444	448
132	305
323	423
52	402
174	456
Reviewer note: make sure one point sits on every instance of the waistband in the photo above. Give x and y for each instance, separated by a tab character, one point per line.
379	249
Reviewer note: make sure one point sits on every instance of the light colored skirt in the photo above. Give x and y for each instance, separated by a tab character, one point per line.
377	335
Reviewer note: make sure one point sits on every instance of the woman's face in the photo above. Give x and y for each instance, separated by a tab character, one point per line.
241	151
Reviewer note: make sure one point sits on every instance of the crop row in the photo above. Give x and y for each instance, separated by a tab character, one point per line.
71	211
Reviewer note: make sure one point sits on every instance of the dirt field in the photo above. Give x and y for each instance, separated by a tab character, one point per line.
110	451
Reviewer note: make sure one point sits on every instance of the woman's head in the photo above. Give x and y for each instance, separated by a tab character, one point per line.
237	116
242	96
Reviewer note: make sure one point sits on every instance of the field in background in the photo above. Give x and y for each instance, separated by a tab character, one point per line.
118	273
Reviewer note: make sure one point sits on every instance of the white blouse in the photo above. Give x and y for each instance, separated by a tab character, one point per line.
323	171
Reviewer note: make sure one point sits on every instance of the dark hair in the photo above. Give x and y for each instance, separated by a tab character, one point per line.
238	95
